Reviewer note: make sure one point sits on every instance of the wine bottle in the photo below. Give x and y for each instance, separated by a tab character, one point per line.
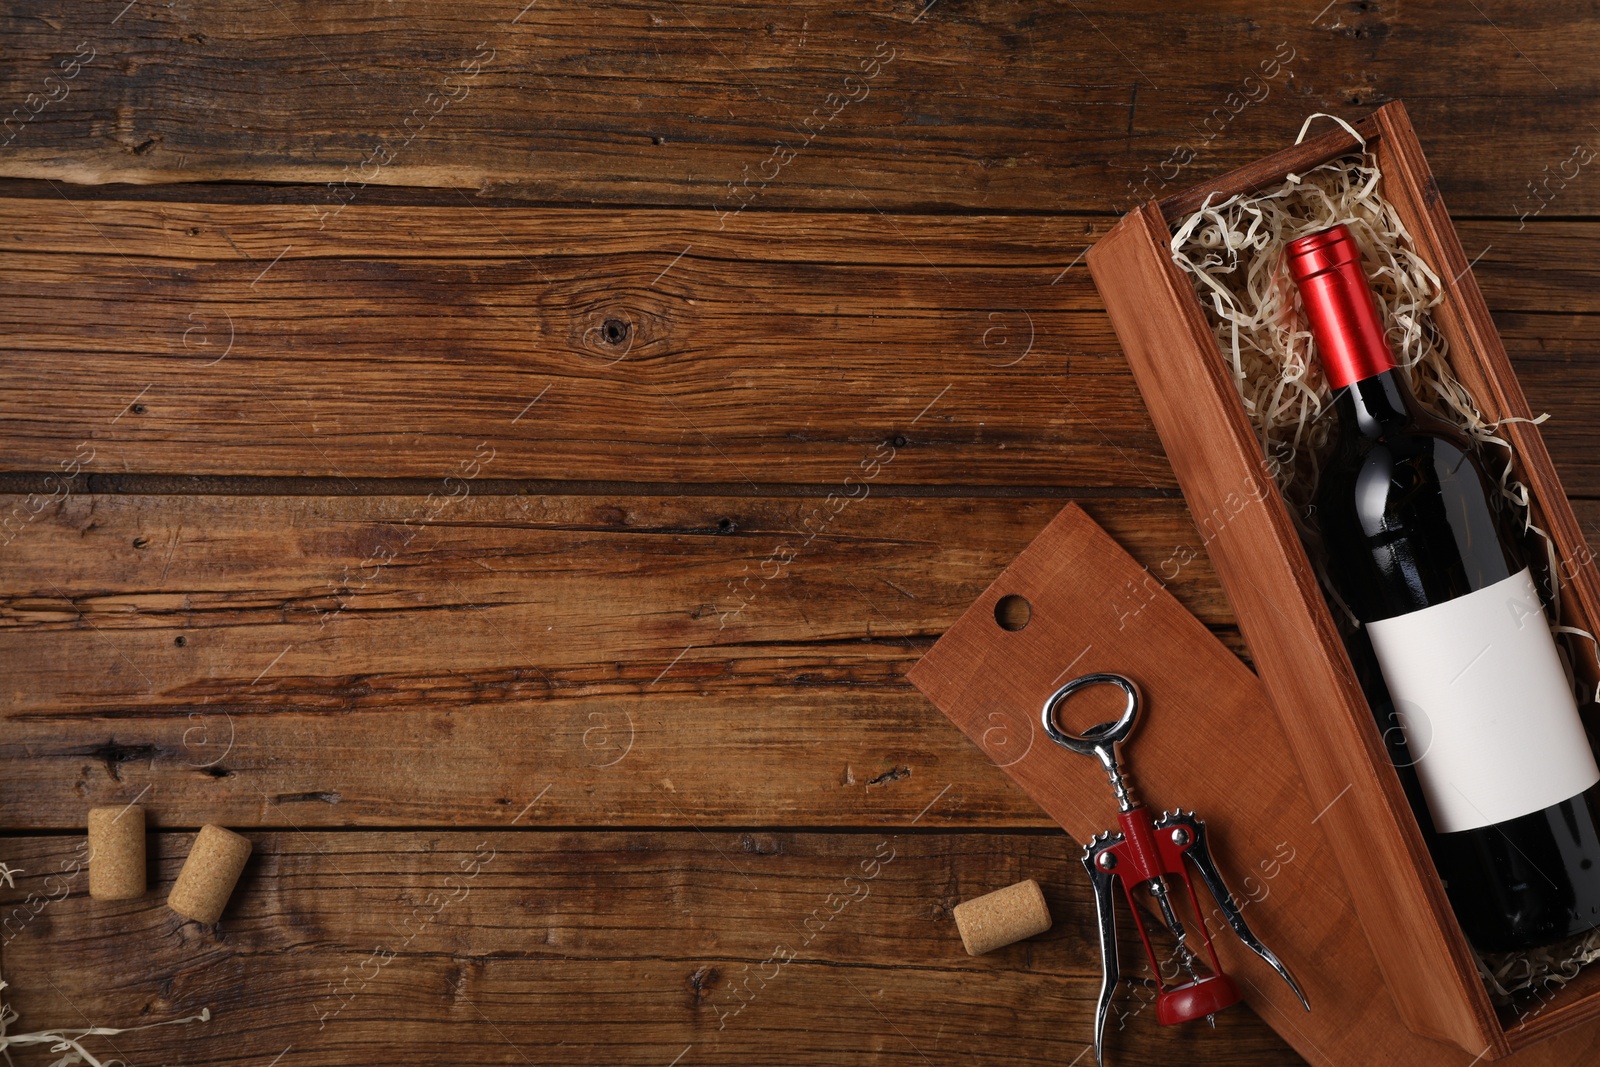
1424	551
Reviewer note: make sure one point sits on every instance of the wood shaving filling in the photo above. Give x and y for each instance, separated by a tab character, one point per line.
1233	250
69	1042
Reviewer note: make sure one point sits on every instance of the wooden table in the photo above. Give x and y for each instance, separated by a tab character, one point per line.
505	463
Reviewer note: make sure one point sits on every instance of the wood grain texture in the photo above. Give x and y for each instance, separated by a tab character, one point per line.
781	348
223	339
490	946
598	646
514	643
995	105
418	271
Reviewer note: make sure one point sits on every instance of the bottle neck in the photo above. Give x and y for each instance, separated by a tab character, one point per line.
1373	406
1341	311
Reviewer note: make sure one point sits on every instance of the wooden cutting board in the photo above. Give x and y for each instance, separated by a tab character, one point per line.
1209	740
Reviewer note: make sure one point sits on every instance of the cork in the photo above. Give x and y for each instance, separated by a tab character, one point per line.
116	853
209	874
997	919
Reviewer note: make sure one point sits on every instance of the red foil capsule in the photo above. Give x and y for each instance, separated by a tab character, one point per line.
1340	307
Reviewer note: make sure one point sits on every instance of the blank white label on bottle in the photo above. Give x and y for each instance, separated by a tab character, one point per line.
1489	719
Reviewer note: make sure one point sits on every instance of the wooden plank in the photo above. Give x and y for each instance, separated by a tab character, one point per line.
880	107
599	646
241	339
514	643
629	948
1534	267
783	348
1552	354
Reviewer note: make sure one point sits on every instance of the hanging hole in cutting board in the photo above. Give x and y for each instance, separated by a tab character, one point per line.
1012	612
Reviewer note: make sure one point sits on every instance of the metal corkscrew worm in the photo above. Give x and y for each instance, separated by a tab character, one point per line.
1149	852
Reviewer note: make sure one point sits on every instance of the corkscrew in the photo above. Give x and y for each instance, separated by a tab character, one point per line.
1149	852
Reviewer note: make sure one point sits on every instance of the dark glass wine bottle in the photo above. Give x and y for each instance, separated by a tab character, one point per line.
1424	552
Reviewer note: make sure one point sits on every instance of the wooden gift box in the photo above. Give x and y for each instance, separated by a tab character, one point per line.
1279	604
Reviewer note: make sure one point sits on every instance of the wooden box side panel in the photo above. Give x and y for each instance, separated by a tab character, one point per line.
1269	170
1285	620
1479	359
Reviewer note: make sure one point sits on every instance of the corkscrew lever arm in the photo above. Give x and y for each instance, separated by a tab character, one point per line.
1105	902
1199	853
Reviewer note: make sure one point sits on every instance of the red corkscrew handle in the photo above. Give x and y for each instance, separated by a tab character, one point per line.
1144	855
